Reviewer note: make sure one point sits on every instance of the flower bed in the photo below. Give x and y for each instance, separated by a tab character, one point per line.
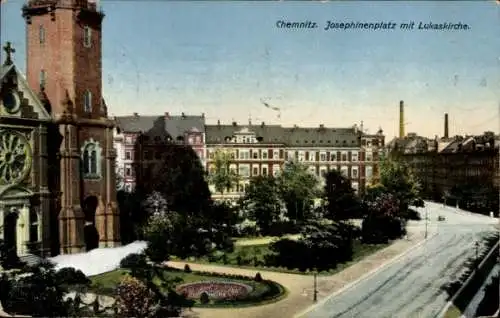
216	290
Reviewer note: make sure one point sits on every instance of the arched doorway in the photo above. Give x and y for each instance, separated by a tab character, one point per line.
90	233
10	232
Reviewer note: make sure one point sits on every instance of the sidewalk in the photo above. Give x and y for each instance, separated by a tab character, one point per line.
300	287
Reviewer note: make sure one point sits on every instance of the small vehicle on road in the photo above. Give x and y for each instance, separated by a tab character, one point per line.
441	218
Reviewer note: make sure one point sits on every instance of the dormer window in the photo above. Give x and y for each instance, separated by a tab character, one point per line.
87	101
87	36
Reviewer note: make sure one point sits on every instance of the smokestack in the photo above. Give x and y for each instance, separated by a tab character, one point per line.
446	126
401	119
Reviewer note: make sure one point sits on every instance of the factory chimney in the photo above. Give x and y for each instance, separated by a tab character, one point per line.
401	119
446	136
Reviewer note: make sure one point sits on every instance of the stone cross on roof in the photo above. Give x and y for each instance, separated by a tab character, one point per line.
8	50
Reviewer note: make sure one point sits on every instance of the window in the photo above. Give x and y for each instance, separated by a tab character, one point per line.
369	156
244	171
276	154
43	79
322	156
91	155
264	171
255	171
128	172
147	155
302	156
244	154
264	154
191	140
255	154
87	101
128	155
368	172
343	171
128	140
33	236
354	156
354	172
312	156
41	34
332	157
157	155
344	156
87	36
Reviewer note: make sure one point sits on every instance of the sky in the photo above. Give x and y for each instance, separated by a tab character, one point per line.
224	58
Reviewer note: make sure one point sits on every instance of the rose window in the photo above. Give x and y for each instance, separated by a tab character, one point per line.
15	157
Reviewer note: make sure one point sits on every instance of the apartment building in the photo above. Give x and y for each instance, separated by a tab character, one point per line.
263	149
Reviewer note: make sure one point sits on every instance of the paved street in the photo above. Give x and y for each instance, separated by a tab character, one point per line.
411	287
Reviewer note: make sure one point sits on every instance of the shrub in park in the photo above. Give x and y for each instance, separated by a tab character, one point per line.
187	269
204	299
258	277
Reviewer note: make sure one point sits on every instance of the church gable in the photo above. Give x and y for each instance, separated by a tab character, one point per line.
17	98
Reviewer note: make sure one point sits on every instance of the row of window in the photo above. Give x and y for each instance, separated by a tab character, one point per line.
244	171
155	155
300	156
87	36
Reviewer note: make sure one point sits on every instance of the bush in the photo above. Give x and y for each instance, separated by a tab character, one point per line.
71	276
204	299
133	298
258	277
187	269
134	261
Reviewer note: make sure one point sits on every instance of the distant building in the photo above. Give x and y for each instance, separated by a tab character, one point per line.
154	132
263	149
462	170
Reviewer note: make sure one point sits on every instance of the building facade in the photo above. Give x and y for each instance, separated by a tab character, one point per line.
139	140
462	170
263	149
57	193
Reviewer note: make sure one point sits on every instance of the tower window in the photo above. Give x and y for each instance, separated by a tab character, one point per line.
43	78
87	101
87	36
41	34
91	159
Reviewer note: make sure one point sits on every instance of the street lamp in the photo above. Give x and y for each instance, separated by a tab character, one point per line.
315	292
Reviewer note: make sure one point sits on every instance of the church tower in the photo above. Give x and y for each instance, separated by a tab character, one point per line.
64	64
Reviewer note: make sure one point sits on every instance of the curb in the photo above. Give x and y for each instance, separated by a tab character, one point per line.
365	276
467	281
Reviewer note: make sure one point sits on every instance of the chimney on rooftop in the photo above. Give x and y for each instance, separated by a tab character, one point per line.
136	115
446	132
167	115
401	119
202	115
183	115
218	122
235	124
262	124
321	126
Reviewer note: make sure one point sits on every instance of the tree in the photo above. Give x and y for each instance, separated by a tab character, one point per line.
262	202
134	299
220	174
297	188
341	200
398	179
37	291
321	247
384	220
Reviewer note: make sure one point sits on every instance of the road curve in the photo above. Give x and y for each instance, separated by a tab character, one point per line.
412	286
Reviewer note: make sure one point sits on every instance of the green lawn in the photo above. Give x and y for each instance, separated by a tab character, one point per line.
253	257
262	293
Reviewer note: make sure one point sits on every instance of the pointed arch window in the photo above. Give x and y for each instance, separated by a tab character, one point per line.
91	160
87	36
87	101
41	34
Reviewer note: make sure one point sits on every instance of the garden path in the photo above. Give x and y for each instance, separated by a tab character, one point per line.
300	287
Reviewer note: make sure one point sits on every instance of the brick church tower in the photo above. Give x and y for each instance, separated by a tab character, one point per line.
64	65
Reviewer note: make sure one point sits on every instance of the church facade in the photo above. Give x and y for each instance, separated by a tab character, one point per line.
57	160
